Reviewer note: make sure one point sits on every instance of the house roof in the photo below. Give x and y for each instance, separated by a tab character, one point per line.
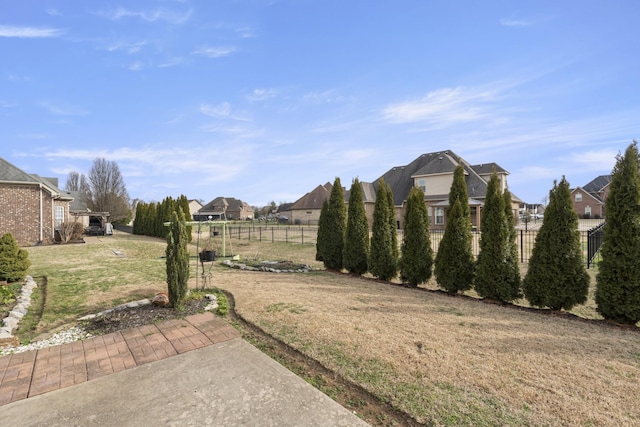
593	196
368	193
12	174
598	184
226	203
313	199
401	178
488	168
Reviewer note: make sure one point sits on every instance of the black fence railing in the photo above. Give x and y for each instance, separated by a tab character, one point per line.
591	239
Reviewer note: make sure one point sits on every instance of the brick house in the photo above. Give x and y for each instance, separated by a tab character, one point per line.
589	201
224	208
31	207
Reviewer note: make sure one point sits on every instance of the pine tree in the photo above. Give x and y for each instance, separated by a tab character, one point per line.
494	278
356	243
416	261
383	260
321	239
14	261
177	259
618	279
557	277
336	223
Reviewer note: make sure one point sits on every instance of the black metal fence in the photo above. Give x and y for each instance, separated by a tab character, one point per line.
590	239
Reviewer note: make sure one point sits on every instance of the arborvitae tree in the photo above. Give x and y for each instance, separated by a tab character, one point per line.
494	278
383	260
454	262
393	225
177	259
557	277
14	261
618	279
321	239
183	203
356	242
336	224
458	191
416	261
512	269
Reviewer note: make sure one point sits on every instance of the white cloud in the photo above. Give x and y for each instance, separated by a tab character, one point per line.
510	22
29	32
169	16
222	111
128	47
215	52
136	66
444	107
53	12
62	110
261	94
245	32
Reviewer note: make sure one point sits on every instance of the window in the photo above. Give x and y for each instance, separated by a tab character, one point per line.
422	184
59	215
578	197
587	211
439	216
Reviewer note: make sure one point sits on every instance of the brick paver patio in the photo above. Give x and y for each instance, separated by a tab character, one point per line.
36	372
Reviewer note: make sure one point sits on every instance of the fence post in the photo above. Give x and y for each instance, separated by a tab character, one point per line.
521	246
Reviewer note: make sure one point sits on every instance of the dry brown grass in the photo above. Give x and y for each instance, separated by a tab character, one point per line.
449	360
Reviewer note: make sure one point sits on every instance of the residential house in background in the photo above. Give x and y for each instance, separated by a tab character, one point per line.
589	201
31	207
433	173
194	207
306	210
224	208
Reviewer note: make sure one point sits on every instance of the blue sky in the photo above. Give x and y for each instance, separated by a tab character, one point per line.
265	99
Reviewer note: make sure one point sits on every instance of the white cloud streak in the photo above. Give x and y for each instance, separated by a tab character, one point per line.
164	15
215	52
29	32
444	107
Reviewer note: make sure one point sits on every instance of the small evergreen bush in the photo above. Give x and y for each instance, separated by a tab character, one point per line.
14	261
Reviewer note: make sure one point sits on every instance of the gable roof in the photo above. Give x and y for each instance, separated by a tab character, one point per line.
593	196
598	184
401	178
13	175
313	199
10	173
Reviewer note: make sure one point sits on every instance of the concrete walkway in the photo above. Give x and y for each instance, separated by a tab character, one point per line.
194	371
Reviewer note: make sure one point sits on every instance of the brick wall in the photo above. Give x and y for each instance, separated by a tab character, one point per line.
20	213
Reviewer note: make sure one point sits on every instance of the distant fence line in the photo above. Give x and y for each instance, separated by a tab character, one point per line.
591	239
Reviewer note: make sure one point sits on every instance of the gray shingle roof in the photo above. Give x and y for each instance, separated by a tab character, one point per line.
313	199
11	173
401	178
598	184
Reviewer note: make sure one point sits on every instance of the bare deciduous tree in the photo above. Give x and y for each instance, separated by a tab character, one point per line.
108	192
